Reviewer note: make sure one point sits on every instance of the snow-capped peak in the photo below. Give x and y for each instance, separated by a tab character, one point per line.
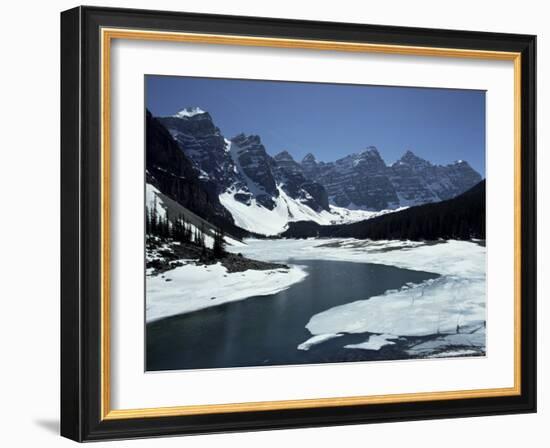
189	112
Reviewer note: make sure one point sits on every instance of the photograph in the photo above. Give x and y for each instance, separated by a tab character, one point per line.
285	221
293	223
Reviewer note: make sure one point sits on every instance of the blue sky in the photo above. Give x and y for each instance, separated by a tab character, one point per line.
334	120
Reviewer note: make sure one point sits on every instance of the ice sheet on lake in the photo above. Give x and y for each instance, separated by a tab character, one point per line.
314	340
472	341
435	306
445	305
374	342
193	287
459	258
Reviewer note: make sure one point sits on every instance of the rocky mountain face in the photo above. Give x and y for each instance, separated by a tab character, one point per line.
290	175
201	141
254	166
363	180
418	181
241	165
242	181
357	181
170	171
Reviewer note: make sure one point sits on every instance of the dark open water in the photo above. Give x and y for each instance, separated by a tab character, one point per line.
266	330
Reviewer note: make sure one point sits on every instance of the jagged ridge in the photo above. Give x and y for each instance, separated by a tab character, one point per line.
279	189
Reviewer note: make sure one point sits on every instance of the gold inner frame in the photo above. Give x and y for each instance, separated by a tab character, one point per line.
107	35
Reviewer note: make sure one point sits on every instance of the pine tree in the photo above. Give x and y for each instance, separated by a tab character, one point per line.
187	232
176	229
219	244
147	221
168	227
180	230
165	227
202	243
154	218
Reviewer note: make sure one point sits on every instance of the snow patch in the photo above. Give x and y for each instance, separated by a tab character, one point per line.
189	112
259	219
255	217
435	306
374	342
454	354
153	198
318	339
194	287
227	147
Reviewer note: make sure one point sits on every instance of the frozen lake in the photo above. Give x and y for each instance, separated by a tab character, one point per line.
341	300
267	330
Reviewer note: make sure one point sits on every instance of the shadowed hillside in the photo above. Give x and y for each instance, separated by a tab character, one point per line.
170	171
460	218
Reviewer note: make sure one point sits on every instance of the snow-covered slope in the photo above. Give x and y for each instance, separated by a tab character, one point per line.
165	206
274	192
260	219
199	284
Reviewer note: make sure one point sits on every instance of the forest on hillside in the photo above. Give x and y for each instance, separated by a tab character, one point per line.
460	218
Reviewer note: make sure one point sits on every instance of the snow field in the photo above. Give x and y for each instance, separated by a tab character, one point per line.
256	218
193	287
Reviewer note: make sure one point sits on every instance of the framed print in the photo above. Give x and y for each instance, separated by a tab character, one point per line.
274	224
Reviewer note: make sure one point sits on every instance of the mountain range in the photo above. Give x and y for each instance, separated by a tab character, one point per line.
364	180
237	184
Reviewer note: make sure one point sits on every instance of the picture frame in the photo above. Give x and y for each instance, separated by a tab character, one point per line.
86	209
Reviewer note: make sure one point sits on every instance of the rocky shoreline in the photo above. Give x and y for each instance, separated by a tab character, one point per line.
164	255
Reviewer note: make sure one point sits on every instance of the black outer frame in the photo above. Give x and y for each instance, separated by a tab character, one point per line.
80	223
